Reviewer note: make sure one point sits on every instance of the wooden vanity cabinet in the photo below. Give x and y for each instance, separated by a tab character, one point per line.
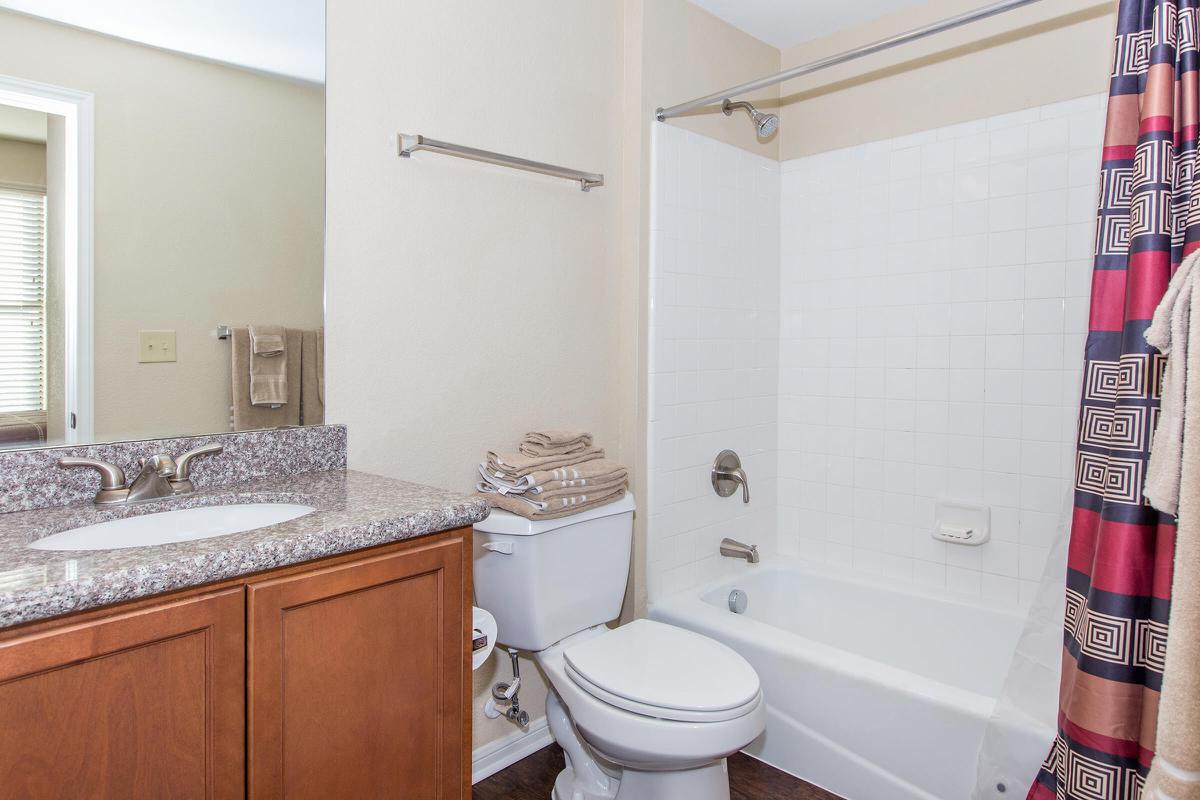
356	676
143	703
343	677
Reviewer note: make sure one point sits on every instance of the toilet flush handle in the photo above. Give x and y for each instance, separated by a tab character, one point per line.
505	548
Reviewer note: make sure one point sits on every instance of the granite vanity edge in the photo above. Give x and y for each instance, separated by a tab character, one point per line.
32	479
67	597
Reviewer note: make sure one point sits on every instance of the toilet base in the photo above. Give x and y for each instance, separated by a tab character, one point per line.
710	782
566	787
584	778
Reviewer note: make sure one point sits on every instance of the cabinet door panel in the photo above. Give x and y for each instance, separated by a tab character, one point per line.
355	678
148	703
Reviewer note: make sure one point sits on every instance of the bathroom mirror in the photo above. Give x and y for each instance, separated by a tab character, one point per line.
162	171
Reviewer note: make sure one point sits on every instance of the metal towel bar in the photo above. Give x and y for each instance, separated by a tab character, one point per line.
410	143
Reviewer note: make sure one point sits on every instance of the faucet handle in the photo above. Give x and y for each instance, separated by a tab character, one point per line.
728	475
182	481
112	477
183	464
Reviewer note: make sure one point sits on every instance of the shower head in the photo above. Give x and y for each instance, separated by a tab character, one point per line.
765	124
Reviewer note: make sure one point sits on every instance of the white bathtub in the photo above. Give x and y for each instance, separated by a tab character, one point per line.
873	693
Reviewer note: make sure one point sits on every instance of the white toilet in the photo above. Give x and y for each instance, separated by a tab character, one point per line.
646	711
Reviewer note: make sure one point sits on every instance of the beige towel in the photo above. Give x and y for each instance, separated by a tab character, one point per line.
267	340
246	415
312	397
558	437
1169	333
598	488
1175	770
554	442
555	507
546	491
517	465
268	365
587	474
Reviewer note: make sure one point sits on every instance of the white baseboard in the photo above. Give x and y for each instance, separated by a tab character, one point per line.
496	755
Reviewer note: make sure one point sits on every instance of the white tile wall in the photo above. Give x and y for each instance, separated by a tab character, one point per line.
873	329
933	309
714	349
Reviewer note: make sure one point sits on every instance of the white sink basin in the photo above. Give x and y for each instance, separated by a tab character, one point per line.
184	525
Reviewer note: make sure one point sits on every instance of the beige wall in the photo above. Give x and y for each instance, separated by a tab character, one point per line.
467	303
209	209
1029	57
689	53
22	163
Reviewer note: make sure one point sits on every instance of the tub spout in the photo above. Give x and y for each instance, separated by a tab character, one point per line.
736	549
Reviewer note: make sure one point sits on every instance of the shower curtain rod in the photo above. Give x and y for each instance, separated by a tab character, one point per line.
965	18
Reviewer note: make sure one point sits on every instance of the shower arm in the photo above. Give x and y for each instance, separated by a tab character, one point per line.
728	106
966	18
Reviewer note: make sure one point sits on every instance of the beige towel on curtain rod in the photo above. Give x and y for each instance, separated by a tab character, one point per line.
268	365
246	415
312	397
1174	483
1168	332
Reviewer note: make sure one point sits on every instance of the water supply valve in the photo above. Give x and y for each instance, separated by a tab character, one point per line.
508	692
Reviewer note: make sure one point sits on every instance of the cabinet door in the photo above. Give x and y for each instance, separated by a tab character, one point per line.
147	703
357	677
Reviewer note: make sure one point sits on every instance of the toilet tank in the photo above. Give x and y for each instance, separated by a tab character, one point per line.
544	580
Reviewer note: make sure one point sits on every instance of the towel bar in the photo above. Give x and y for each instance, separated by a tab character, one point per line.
410	143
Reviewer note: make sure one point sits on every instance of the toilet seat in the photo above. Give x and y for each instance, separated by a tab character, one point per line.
662	671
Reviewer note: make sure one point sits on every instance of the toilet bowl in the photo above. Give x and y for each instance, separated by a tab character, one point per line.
646	711
670	741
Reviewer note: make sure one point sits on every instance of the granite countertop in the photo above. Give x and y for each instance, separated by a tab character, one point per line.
354	510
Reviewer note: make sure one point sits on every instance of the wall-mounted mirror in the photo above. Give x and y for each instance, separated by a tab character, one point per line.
162	182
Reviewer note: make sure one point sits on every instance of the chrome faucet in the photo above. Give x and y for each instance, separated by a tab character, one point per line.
727	475
735	549
154	481
160	476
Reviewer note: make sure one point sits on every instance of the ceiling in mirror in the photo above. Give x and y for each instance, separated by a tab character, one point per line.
281	37
161	178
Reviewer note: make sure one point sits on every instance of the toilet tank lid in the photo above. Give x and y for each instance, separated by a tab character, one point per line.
505	522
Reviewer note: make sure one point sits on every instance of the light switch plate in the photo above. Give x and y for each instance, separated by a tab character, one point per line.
156	346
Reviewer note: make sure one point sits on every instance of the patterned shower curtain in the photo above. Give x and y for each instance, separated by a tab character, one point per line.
1121	550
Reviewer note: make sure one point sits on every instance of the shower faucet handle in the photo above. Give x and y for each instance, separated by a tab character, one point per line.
728	475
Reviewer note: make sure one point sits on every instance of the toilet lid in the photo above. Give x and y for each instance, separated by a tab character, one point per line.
663	671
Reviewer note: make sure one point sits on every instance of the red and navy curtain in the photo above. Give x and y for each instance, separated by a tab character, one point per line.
1121	551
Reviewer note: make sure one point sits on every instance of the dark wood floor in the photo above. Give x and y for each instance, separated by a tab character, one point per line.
532	778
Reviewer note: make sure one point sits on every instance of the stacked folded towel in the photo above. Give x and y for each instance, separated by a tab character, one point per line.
552	474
